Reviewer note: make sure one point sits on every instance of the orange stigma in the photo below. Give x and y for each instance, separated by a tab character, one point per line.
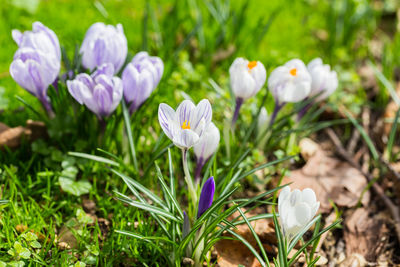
293	72
252	64
186	125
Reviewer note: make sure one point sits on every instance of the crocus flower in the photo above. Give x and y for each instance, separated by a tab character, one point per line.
100	92
40	38
296	210
324	80
290	82
104	44
206	196
140	77
37	62
206	147
185	126
247	78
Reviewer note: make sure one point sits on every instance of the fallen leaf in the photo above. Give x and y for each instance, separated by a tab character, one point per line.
331	179
12	137
365	235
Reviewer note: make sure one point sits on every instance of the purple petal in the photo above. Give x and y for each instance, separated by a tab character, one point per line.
206	196
17	36
103	100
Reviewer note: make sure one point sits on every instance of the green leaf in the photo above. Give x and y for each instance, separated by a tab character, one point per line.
94	158
76	188
35	244
29	236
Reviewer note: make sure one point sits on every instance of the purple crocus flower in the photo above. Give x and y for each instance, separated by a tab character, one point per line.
206	147
206	196
140	78
100	92
104	44
37	62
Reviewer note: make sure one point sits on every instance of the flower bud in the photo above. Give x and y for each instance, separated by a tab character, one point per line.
104	44
247	77
290	82
100	92
140	78
296	210
324	81
206	196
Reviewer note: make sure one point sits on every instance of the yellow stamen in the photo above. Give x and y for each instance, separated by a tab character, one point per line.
186	125
293	72
252	64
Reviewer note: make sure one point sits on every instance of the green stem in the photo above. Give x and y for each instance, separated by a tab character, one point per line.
188	179
130	137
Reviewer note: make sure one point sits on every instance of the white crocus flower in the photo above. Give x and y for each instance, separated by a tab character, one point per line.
324	80
290	82
185	126
296	210
206	147
247	77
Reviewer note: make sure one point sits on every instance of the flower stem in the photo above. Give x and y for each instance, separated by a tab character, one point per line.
47	106
188	179
239	102
197	173
303	111
277	108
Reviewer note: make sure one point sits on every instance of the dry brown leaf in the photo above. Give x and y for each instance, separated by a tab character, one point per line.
365	235
331	179
12	137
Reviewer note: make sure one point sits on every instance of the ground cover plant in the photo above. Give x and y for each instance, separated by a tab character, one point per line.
199	133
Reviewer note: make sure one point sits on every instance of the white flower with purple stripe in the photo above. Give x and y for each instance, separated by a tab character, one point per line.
187	124
324	80
100	92
140	78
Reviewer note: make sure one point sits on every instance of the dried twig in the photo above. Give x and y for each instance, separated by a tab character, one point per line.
394	210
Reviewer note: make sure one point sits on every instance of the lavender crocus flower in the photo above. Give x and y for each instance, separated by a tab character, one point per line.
205	148
206	196
37	62
101	92
104	44
140	78
40	38
185	126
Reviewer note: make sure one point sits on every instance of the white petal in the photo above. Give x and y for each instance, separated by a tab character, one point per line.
201	114
303	213
308	196
166	116
185	139
184	112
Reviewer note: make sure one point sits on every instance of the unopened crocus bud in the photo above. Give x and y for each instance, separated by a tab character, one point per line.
296	210
100	92
40	38
34	71
104	44
247	78
206	147
290	82
324	80
186	125
206	196
140	78
37	62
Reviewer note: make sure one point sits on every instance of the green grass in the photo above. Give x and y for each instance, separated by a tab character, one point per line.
187	35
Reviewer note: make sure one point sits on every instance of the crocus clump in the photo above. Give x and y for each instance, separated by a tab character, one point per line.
247	78
296	210
104	44
324	80
206	196
101	92
187	124
205	148
140	78
36	63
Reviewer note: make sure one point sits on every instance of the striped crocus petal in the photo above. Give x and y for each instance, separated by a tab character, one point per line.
166	116
206	196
